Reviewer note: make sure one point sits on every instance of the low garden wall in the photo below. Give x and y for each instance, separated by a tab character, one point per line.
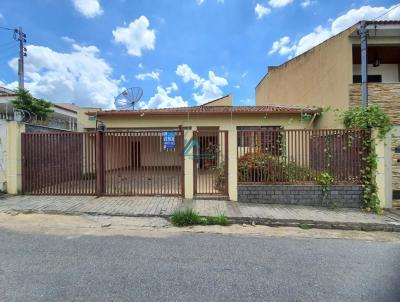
343	196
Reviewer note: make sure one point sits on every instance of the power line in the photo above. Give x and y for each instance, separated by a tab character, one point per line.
7	28
394	7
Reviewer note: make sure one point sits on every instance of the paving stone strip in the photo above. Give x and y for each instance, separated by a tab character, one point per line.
159	206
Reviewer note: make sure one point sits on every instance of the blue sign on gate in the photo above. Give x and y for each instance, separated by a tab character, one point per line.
169	140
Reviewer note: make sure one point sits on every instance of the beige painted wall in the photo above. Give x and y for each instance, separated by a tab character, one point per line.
3	155
83	119
224	101
290	121
389	72
14	173
319	77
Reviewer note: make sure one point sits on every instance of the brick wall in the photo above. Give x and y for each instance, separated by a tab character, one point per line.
343	196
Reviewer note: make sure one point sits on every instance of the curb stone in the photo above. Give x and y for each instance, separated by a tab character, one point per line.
368	227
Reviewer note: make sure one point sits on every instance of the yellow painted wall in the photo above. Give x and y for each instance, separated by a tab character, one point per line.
319	77
83	119
14	173
289	121
224	101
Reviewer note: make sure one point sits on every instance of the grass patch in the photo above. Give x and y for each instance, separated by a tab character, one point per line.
304	226
190	217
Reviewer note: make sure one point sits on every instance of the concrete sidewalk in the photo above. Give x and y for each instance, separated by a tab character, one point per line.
272	215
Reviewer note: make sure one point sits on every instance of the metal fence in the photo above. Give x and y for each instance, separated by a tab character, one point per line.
103	163
300	156
59	163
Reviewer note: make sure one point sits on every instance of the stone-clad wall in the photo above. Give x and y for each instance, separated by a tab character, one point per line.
386	95
344	196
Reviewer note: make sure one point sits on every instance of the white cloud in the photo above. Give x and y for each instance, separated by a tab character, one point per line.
186	73
136	36
80	76
200	2
281	46
279	3
155	75
68	40
140	65
307	3
162	98
261	11
244	74
208	89
321	33
88	8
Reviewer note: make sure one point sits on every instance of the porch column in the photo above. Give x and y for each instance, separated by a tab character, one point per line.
188	163
384	170
232	162
14	157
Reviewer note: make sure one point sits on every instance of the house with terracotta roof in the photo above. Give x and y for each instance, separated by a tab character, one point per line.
330	74
202	151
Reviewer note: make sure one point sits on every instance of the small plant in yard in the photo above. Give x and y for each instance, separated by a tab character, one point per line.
326	180
190	217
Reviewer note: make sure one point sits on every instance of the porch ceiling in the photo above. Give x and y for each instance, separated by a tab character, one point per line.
386	54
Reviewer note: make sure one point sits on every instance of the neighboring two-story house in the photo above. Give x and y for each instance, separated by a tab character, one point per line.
329	76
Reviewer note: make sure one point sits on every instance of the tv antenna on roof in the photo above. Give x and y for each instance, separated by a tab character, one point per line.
128	98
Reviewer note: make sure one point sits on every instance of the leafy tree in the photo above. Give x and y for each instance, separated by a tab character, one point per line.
25	101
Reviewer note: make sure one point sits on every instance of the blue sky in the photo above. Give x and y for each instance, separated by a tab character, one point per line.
181	52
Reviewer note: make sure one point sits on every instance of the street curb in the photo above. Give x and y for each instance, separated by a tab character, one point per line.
349	226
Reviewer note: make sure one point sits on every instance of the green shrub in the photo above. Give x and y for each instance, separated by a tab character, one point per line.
185	218
218	220
190	217
263	167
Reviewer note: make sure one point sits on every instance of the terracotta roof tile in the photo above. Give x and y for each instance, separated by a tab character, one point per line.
200	110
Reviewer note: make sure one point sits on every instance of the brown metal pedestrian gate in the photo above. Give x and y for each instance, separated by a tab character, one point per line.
103	163
210	158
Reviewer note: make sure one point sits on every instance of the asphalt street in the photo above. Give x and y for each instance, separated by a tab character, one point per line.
195	267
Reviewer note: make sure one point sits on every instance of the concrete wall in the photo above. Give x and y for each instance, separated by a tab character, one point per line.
384	169
389	72
14	173
290	121
396	161
224	101
319	77
3	154
344	196
83	121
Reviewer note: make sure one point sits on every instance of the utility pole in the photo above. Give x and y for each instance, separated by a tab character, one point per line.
22	53
364	63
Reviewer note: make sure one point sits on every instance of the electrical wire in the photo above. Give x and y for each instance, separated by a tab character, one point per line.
6	28
388	11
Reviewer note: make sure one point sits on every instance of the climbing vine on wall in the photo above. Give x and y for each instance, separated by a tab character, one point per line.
372	117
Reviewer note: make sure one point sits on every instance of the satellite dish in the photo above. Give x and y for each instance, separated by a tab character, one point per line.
128	98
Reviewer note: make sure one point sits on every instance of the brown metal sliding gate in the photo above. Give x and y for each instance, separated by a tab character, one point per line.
210	158
103	163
